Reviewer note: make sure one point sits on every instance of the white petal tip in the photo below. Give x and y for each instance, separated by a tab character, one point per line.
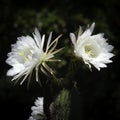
73	38
36	30
92	27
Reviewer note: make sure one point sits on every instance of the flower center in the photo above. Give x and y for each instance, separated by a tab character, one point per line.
91	50
24	55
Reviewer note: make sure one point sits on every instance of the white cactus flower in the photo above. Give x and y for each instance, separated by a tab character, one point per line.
30	53
93	49
37	110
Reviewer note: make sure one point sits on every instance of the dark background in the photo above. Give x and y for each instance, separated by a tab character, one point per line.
99	92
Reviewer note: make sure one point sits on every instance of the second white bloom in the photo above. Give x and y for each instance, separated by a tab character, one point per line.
93	49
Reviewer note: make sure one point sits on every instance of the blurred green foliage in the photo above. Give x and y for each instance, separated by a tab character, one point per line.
99	91
60	108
